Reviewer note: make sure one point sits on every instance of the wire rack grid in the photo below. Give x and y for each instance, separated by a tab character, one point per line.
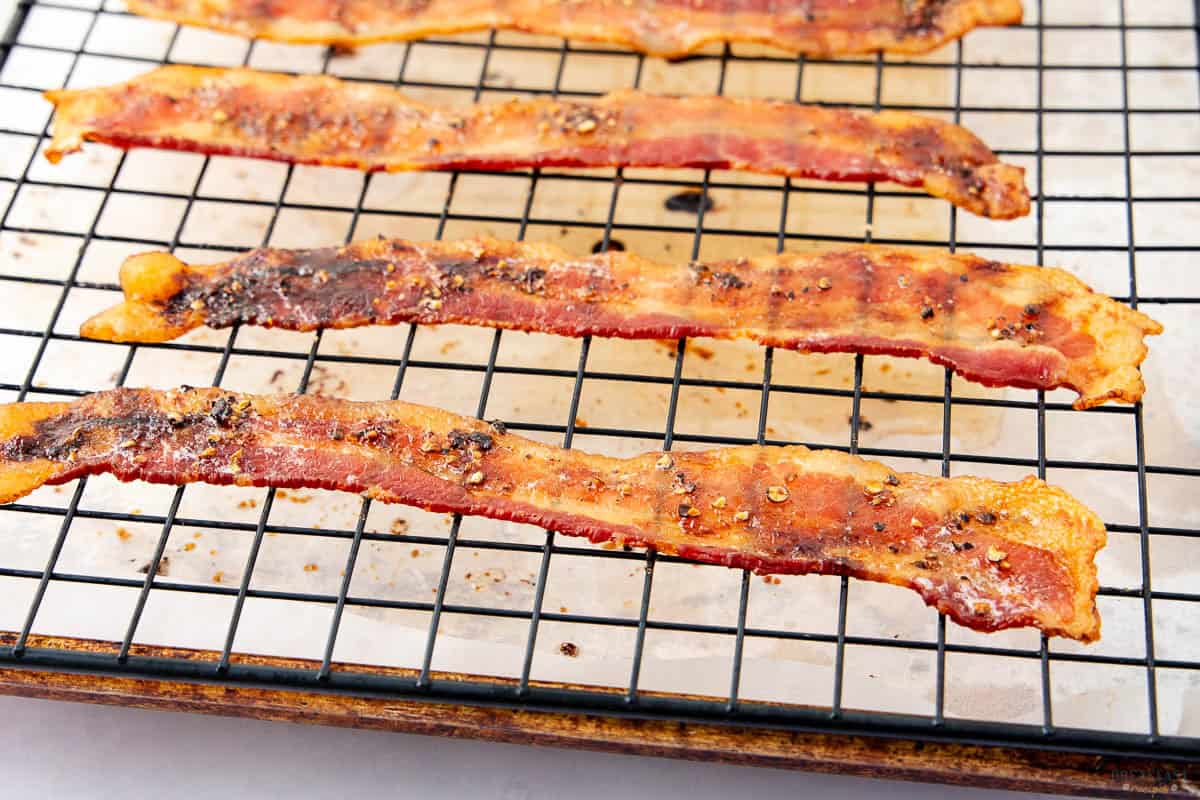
1106	91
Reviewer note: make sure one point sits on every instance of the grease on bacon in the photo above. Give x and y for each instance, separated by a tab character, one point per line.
321	120
990	555
666	28
999	324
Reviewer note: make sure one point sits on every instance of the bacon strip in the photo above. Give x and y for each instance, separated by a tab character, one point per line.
990	555
316	119
668	28
999	324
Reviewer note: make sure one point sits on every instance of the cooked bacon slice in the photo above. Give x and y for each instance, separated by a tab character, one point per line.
317	119
668	28
990	555
999	324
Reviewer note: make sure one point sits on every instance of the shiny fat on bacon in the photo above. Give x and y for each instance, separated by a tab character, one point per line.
666	28
315	119
989	555
999	324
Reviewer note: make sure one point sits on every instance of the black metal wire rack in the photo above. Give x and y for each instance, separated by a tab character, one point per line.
1028	56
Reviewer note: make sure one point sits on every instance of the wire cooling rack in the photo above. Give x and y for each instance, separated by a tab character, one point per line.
1098	100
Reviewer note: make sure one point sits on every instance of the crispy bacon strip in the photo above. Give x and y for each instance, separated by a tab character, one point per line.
990	555
999	324
315	119
668	28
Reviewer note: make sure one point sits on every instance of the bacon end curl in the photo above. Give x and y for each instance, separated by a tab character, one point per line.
989	555
313	119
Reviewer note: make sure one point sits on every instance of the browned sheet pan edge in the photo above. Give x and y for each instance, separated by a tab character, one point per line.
948	763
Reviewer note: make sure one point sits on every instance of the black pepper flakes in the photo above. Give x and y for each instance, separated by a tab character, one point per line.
460	440
986	518
926	312
880	527
222	410
534	280
686	485
727	280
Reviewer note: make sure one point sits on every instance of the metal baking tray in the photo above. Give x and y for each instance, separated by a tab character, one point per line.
318	606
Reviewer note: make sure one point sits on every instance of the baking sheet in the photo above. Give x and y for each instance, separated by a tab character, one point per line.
1108	697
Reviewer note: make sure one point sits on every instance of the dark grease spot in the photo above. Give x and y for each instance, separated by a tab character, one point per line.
691	201
614	245
864	424
55	438
162	569
267	284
